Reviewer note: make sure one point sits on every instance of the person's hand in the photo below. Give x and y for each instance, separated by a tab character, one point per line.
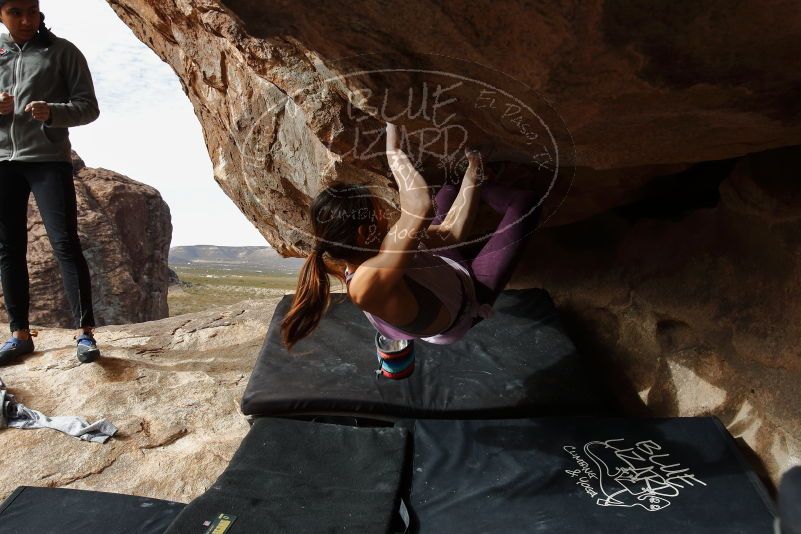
40	110
6	103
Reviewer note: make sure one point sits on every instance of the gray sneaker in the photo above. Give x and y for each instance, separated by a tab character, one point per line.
14	348
87	348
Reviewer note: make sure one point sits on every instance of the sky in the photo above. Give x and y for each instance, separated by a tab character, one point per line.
147	128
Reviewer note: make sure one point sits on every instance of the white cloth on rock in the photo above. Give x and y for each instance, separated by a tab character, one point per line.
16	415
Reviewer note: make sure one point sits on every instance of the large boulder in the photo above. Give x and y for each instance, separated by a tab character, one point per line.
125	233
640	89
691	305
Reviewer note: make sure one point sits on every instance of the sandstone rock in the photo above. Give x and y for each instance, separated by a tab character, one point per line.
125	232
172	387
642	90
694	310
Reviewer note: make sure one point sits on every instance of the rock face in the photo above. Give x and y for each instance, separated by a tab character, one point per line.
618	102
125	232
172	387
695	309
640	90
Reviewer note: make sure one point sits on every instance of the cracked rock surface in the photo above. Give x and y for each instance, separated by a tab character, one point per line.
644	89
172	387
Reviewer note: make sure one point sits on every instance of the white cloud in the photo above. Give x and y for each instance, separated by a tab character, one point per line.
147	128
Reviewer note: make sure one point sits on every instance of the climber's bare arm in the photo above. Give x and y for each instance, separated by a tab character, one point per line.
377	287
412	187
377	279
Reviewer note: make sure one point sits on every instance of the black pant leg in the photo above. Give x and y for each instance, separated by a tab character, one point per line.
14	193
54	189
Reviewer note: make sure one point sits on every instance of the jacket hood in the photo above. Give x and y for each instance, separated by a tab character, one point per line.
7	41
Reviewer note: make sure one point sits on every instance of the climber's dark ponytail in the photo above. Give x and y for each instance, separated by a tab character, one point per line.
45	37
336	214
312	297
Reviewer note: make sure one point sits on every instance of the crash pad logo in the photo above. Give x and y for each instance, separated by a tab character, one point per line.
643	475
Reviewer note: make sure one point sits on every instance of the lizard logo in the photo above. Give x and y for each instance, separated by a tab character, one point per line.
624	476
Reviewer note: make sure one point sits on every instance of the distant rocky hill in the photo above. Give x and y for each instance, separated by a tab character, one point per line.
248	257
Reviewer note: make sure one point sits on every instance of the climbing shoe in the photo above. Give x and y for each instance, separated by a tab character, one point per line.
14	348
87	348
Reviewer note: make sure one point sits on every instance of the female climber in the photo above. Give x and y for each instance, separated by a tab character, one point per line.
45	88
433	293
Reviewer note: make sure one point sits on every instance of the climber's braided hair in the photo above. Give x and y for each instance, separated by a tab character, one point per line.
43	36
336	214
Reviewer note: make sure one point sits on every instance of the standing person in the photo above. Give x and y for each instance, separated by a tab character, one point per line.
45	88
407	292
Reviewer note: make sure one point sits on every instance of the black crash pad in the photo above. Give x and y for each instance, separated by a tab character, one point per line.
518	363
790	501
65	511
294	477
599	475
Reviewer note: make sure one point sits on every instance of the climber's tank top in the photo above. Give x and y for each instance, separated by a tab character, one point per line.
431	277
